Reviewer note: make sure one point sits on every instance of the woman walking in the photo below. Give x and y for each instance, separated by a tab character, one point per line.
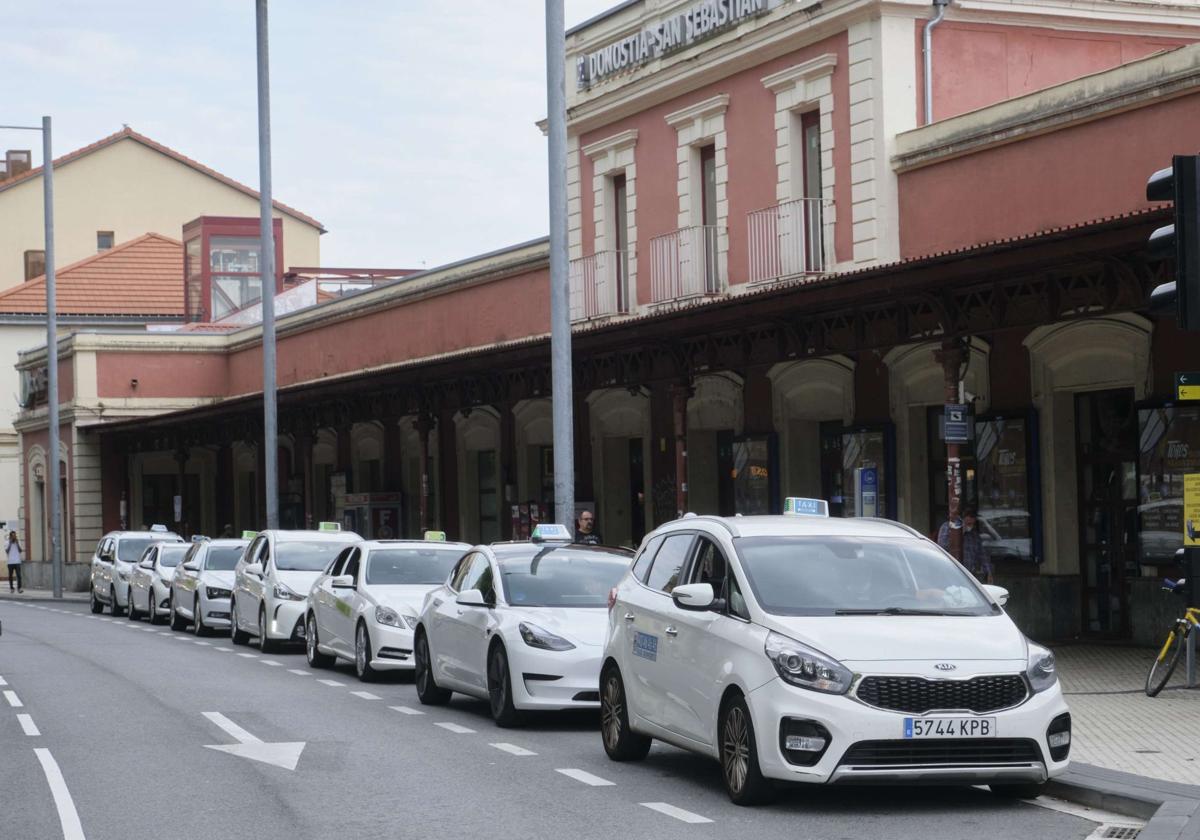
14	563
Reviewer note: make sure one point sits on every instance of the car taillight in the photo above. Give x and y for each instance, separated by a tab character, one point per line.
612	597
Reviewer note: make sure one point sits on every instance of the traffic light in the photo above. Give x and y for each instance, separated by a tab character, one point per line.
1179	183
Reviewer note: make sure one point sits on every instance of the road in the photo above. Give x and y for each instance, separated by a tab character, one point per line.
125	713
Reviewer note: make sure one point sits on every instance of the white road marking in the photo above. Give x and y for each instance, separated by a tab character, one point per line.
677	813
271	662
1086	812
3	681
366	695
455	728
283	754
150	630
13	699
513	749
406	710
584	776
232	729
248	655
299	672
333	683
68	817
223	649
28	725
165	633
202	644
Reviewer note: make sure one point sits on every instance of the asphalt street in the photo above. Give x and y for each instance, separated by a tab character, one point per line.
108	721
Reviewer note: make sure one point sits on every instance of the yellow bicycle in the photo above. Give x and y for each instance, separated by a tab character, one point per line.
1168	656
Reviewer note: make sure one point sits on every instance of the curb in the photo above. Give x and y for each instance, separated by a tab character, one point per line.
46	598
1171	810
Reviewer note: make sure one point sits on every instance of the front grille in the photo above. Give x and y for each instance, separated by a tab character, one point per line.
957	752
918	695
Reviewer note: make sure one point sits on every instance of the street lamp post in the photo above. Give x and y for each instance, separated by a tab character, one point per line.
52	430
266	265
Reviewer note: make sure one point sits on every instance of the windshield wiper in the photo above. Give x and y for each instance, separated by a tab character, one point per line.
895	611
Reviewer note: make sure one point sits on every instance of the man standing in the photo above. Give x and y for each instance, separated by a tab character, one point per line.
13	550
586	533
974	557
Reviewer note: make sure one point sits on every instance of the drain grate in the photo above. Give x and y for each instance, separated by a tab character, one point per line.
1120	832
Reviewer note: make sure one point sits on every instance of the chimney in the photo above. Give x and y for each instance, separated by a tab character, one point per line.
17	162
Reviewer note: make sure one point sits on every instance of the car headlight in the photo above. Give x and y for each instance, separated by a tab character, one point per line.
214	592
800	665
1040	668
284	592
535	636
392	618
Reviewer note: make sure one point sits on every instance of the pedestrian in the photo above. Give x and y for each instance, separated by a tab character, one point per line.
227	531
14	563
585	532
973	555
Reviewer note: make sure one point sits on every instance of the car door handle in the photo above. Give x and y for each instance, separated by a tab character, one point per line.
671	631
629	616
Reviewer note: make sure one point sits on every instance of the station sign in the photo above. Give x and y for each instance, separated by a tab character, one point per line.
1187	386
958	424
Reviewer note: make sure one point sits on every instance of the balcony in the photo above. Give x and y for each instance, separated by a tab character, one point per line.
599	285
684	264
786	240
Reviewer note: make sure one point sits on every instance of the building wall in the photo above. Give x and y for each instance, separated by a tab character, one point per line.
131	190
13	338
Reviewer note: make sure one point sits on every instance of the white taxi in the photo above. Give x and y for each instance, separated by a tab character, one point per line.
202	585
364	608
805	648
272	579
150	581
520	625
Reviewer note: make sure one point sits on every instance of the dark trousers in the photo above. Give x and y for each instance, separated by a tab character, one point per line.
15	571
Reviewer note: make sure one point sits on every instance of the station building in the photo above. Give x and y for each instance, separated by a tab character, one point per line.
778	265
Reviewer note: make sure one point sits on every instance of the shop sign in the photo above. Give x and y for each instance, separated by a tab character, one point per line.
1187	386
1191	509
673	33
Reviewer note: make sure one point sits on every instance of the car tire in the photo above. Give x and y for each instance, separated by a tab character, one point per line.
312	653
428	691
265	645
178	623
198	619
1031	790
236	634
132	614
499	683
152	614
744	781
362	654
620	742
113	606
97	606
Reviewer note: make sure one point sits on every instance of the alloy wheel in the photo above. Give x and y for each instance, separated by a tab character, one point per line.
360	651
421	654
610	712
497	682
310	640
735	749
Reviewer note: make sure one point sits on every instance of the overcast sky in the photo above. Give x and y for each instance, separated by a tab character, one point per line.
406	127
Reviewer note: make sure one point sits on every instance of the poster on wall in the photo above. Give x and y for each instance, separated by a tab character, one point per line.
1002	488
1169	452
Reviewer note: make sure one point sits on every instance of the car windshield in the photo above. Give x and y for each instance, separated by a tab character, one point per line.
222	558
170	555
411	566
305	556
562	577
130	550
848	576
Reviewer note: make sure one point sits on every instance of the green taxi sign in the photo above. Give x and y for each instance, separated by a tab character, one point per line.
249	535
435	536
550	532
329	526
797	506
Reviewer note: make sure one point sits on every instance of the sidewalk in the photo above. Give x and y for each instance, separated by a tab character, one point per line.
40	595
1116	726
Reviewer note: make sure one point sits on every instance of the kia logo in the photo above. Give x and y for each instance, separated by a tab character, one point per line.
946	666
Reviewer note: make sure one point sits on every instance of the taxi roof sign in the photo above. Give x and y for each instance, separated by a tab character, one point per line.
329	526
435	536
797	506
550	532
249	535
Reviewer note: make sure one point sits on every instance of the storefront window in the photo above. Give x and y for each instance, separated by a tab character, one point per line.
843	452
1002	472
752	476
1169	449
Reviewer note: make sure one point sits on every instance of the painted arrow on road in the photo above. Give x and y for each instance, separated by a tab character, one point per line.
285	754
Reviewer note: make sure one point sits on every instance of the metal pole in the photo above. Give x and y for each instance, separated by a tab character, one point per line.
927	40
561	387
266	264
52	430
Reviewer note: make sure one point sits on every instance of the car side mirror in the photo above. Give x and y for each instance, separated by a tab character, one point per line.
472	598
694	596
999	593
342	582
253	569
191	566
146	564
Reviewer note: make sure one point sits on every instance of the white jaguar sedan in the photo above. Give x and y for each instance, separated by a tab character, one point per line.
364	607
809	649
519	624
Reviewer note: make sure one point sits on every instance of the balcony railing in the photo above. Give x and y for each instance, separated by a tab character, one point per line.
684	263
786	240
599	285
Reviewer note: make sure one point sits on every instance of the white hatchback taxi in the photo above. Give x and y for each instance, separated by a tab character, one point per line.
519	624
364	608
805	648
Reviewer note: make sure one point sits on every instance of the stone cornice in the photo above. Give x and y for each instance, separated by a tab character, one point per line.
708	108
822	65
615	143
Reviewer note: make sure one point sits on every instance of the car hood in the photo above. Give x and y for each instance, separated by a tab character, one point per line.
403	598
219	578
906	638
298	582
581	625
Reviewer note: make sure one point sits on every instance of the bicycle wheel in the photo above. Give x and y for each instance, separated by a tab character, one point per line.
1164	665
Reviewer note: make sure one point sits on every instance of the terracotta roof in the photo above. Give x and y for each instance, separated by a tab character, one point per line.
130	134
141	277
